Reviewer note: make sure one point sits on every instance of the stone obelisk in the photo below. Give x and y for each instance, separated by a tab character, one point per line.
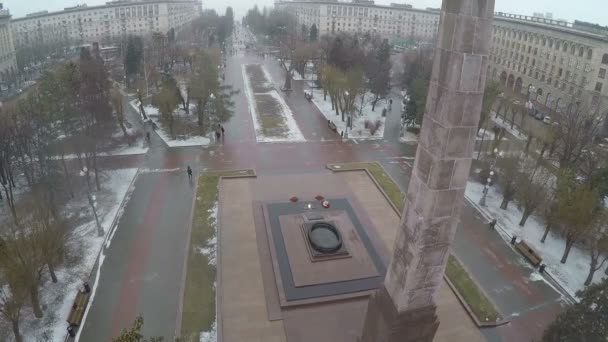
404	309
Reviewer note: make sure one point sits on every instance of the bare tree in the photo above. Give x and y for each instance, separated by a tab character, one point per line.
166	101
578	203
118	106
575	131
20	257
531	192
597	244
507	179
11	304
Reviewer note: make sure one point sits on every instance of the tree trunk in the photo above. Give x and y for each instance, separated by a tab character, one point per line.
67	175
527	148
566	252
34	301
547	229
96	171
592	269
552	149
542	151
524	217
52	272
505	203
16	332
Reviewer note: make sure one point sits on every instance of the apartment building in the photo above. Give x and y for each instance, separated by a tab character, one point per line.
84	24
557	64
8	63
393	22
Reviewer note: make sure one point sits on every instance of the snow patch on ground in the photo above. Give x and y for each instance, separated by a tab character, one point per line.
154	115
507	126
571	275
358	131
211	335
293	131
408	137
57	298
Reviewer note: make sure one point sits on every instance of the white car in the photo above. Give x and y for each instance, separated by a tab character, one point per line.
547	119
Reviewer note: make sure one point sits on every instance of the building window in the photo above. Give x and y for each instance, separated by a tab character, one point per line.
589	54
560	72
549	80
605	58
598	86
602	73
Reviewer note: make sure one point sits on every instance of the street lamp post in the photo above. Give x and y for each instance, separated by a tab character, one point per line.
83	173
486	187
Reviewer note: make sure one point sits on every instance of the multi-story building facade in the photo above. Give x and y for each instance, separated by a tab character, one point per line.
394	21
8	64
84	24
557	64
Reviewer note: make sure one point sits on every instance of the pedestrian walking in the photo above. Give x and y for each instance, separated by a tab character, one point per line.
148	137
217	135
189	170
222	129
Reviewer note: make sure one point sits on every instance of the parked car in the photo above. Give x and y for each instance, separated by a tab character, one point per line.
547	119
539	116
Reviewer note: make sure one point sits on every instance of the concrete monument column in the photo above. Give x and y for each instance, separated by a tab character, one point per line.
404	309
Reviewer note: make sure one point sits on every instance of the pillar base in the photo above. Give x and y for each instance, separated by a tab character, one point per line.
384	324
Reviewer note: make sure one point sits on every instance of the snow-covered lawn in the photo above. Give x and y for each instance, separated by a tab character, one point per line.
571	275
507	126
358	131
273	120
56	299
182	140
408	137
487	135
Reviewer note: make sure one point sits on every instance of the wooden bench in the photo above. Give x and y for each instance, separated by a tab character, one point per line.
332	126
78	308
528	252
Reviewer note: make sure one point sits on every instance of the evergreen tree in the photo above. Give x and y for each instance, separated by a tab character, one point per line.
133	56
585	321
314	33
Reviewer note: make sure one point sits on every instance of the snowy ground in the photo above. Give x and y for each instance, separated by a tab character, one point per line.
308	72
56	299
487	135
571	275
154	115
408	137
291	131
358	131
210	250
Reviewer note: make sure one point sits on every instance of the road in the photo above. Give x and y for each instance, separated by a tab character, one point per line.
144	265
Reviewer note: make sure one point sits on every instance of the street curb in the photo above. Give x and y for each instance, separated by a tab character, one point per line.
110	232
218	295
466	306
547	273
178	319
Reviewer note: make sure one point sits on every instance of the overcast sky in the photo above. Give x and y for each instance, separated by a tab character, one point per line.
587	10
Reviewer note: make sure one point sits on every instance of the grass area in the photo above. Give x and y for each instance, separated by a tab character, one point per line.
480	305
385	181
269	112
482	308
198	309
257	78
